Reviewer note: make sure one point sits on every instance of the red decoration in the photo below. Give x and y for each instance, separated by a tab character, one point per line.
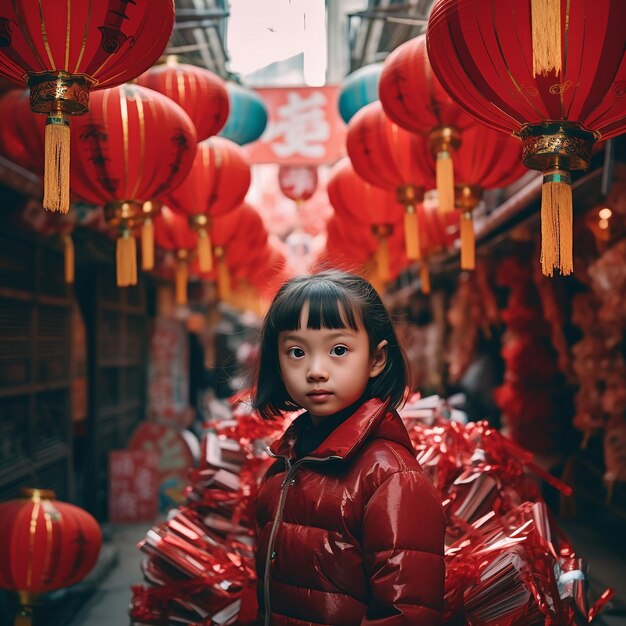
414	99
200	93
133	145
217	183
553	74
62	52
390	157
485	159
298	182
21	134
44	545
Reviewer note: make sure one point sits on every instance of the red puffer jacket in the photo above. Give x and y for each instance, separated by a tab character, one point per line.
351	534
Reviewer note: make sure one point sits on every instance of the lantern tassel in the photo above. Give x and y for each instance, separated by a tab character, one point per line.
56	182
411	234
223	279
468	242
382	260
425	277
181	282
24	617
205	258
445	181
556	222
546	36
147	244
126	260
69	258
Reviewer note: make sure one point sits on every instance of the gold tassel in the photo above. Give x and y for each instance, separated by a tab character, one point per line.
445	181
147	244
24	617
556	222
181	282
56	182
205	258
545	16
411	234
425	277
126	260
69	262
382	260
468	242
223	279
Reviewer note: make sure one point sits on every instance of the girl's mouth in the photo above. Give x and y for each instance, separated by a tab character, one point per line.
319	395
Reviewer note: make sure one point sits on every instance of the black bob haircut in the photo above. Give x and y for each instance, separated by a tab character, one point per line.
335	300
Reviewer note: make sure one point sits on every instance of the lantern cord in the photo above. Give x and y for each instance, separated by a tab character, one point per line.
56	185
69	258
126	260
223	280
411	234
382	260
445	181
546	36
205	258
556	222
147	244
425	277
468	242
182	276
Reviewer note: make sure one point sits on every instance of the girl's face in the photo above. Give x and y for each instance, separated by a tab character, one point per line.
326	370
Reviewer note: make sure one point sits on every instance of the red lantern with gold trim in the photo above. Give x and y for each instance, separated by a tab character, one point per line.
63	51
217	183
134	145
298	182
390	157
200	93
414	99
552	73
44	545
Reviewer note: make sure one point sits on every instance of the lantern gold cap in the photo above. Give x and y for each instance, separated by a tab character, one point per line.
36	495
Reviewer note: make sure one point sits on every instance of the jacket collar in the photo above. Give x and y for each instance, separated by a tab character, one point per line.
371	418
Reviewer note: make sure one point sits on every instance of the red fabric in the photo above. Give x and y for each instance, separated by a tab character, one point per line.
481	52
172	232
360	540
111	41
412	96
133	145
200	93
386	155
21	132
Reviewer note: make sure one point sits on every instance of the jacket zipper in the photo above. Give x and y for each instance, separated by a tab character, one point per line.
291	470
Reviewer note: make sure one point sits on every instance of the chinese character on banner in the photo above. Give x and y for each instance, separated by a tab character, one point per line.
133	485
304	126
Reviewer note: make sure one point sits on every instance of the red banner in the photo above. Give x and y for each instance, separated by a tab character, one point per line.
303	126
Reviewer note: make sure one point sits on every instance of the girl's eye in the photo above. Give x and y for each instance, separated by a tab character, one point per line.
296	353
339	351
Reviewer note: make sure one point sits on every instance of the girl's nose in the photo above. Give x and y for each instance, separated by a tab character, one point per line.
316	371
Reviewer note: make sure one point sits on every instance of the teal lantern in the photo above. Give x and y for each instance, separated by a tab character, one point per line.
358	89
248	115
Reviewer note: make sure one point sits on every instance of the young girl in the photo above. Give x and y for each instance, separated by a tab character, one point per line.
350	530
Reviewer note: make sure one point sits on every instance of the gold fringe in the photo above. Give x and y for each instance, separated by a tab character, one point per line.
147	244
425	277
24	617
182	276
126	260
468	242
556	223
205	258
69	258
546	36
382	261
445	181
411	234
56	181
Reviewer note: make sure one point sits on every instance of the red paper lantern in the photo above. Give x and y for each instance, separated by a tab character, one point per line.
134	145
44	545
390	157
63	51
486	159
200	93
414	99
217	183
21	134
552	74
298	182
